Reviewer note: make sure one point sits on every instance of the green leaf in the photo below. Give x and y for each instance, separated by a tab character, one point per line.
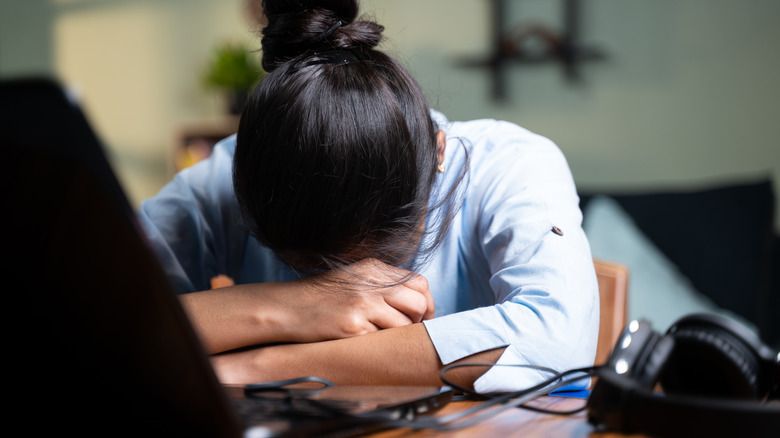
233	67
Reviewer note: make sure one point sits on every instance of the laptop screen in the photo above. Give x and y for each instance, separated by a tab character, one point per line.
98	332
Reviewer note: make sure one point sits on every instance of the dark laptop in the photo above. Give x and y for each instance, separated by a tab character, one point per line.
95	338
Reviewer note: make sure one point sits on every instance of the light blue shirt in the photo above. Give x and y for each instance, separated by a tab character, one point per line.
515	268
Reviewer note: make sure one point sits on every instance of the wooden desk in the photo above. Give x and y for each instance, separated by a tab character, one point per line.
515	422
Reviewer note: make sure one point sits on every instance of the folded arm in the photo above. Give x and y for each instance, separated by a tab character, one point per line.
328	327
366	297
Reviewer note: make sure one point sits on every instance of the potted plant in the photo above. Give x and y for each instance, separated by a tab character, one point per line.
233	70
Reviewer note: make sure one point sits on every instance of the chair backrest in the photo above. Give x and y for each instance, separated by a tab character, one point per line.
613	293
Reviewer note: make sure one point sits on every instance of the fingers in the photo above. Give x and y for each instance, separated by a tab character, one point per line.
419	284
412	297
390	317
375	310
403	290
365	297
359	323
413	304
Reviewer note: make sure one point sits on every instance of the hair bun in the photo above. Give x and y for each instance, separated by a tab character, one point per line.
296	27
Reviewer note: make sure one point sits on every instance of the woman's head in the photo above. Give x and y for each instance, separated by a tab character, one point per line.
336	151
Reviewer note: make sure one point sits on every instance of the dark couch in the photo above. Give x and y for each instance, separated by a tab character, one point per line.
722	239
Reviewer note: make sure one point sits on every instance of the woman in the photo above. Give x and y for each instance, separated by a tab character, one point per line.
344	208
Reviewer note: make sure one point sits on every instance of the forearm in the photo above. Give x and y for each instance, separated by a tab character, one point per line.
397	356
235	317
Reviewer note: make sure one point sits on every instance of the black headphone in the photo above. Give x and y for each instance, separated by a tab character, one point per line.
707	376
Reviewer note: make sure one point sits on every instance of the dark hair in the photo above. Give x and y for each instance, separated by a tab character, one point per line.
336	149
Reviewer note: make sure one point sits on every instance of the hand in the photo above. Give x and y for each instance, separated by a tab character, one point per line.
360	298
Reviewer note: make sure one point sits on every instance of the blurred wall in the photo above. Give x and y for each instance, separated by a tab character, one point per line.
135	64
686	98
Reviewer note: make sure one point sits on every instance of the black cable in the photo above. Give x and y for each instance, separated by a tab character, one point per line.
480	396
286	386
497	403
492	404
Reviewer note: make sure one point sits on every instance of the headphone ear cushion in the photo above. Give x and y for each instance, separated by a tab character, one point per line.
709	361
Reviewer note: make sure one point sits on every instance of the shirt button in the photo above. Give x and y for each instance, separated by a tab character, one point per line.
557	231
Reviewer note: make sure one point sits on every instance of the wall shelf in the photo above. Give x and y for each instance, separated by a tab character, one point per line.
533	45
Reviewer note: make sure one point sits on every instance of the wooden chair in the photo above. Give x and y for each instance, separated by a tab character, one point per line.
613	292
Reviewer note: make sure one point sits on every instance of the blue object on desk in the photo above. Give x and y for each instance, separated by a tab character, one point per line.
581	393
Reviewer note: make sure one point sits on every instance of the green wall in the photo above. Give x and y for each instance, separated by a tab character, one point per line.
686	98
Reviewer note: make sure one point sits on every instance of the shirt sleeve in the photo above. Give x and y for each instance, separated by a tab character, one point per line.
524	224
191	223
